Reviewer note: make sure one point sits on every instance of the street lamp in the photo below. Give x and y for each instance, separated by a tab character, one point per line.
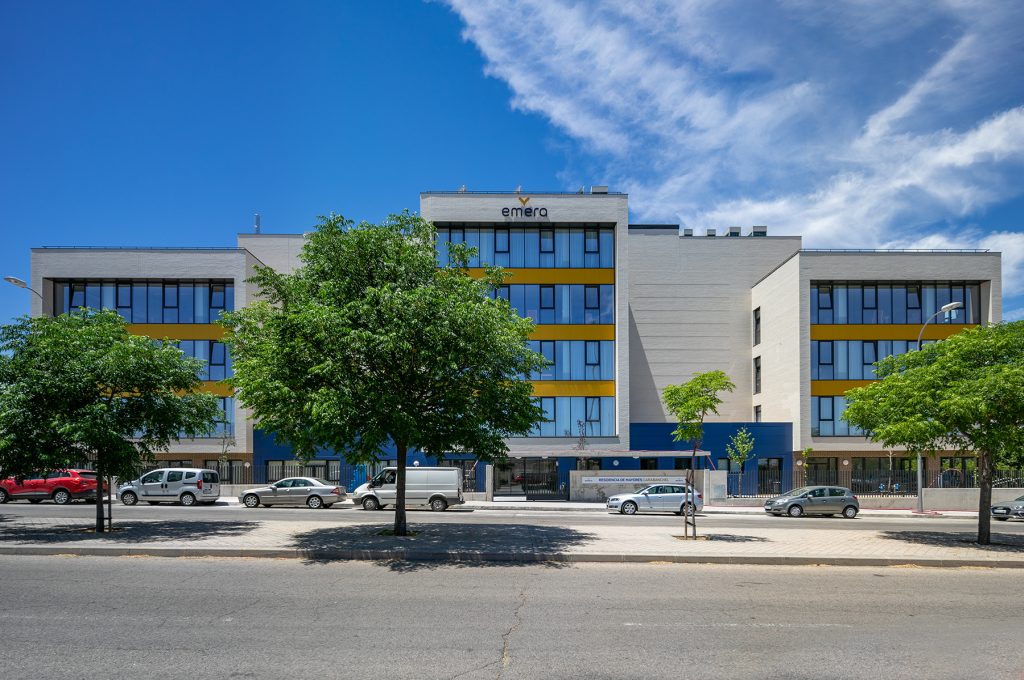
945	309
15	281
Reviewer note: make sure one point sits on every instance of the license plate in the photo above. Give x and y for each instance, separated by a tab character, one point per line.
1000	511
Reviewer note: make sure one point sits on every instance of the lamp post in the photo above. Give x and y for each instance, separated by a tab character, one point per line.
15	281
945	309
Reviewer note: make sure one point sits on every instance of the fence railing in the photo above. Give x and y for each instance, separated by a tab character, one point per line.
768	483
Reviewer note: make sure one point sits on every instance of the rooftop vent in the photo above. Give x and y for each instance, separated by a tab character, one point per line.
759	230
687	232
599	189
256	223
734	231
710	232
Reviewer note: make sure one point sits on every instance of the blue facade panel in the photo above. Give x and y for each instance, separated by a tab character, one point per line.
771	440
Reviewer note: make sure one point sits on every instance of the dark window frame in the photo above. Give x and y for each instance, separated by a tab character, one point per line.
586	297
831	352
911	304
587	344
826	291
587	241
587	408
547	289
757	375
508	241
874	297
550	236
169	286
757	326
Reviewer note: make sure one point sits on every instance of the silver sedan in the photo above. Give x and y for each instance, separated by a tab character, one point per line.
309	491
1007	509
657	498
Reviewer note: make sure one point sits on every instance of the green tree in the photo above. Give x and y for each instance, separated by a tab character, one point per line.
965	394
79	387
740	447
691	402
370	343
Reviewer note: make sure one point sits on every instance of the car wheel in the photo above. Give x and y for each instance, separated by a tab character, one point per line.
4	496
35	500
315	502
61	497
438	505
371	503
795	511
188	500
687	509
849	512
251	500
129	498
628	508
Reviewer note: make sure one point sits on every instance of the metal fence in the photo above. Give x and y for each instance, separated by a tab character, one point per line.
759	483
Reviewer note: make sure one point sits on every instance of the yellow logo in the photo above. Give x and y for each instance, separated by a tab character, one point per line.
524	201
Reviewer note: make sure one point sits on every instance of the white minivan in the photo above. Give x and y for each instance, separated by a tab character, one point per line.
436	487
187	486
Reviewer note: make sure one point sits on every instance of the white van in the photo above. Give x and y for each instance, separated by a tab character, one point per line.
435	487
187	486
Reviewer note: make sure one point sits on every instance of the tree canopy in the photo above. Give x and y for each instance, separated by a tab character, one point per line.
78	387
963	394
370	343
691	402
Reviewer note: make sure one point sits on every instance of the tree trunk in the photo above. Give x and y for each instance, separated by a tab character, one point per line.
691	489
400	525
99	497
984	498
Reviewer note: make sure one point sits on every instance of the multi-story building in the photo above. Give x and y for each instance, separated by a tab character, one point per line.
621	310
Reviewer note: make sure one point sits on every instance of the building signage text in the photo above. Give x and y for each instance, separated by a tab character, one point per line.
524	210
634	480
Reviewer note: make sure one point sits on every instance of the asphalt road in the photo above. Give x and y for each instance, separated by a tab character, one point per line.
349	515
67	617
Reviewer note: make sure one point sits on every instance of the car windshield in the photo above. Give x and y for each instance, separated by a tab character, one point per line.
796	492
1019	498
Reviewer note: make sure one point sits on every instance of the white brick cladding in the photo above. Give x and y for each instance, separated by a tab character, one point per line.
690	311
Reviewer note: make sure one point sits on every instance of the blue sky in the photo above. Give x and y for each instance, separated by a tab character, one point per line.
868	124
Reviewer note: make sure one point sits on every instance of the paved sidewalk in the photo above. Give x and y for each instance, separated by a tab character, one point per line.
507	542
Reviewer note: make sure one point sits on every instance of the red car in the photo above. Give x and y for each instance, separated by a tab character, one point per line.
63	487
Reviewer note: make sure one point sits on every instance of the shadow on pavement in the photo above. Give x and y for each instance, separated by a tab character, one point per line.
958	539
127	532
733	538
437	545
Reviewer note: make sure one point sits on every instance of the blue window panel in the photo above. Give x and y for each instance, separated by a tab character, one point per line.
548	427
517	298
517	247
473	241
202	348
607	303
942	298
566	365
187	347
607	416
855	352
201	298
547	349
577	412
532	296
486	247
607	248
107	296
814	360
185	304
139	296
578	369
815	422
576	311
855	309
839	304
959	315
607	360
502	241
93	295
531	248
814	304
899	304
563	304
576	248
155	303
563	417
842	366
442	247
928	306
842	427
561	248
884	304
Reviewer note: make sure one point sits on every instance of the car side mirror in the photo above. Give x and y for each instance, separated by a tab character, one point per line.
645	493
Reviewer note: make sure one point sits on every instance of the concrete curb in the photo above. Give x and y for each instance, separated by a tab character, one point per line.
751	510
461	557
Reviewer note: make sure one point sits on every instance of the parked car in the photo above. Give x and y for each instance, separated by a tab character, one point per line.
187	486
1007	509
436	487
657	498
309	491
62	487
815	500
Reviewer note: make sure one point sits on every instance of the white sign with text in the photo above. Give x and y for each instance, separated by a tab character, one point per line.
634	480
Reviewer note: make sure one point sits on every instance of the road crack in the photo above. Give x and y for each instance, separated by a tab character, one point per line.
517	620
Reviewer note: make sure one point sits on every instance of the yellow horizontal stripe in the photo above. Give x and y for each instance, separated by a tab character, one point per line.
884	331
574	388
216	387
574	332
549	275
178	331
835	388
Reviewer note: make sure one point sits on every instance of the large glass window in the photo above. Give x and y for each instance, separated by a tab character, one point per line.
757	326
576	359
597	415
757	375
894	303
826	418
184	301
539	246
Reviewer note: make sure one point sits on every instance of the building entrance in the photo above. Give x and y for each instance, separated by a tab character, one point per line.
535	478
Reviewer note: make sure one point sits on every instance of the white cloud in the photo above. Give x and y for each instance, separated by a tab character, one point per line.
854	124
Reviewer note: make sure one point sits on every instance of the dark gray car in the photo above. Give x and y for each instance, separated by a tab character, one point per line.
309	491
815	500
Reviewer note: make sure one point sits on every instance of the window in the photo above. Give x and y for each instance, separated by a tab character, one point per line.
593	352
217	296
757	326
218	359
870	352
825	408
152	478
870	297
284	484
838	493
593	409
648	463
211	478
913	297
825	353
457	236
77	295
591	242
124	295
190	475
547	241
174	476
591	297
501	240
824	297
757	414
817	493
757	375
502	293
171	295
547	297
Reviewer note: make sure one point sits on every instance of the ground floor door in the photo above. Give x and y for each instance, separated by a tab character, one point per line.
535	478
